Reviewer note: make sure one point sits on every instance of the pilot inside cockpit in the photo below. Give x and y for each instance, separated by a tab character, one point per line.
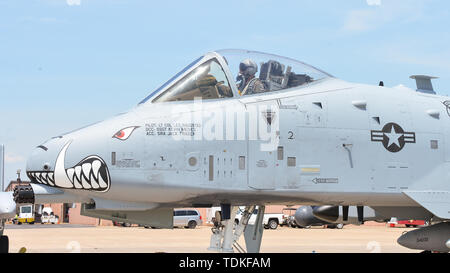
247	82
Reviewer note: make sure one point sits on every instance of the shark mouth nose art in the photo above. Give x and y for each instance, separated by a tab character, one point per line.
90	173
42	177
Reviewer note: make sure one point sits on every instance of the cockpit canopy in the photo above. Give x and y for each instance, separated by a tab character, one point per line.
219	75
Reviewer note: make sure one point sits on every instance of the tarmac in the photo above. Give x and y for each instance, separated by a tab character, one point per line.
65	238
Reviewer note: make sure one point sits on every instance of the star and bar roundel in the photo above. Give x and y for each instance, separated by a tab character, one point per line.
393	137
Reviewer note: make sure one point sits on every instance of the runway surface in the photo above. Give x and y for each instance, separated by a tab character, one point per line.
73	238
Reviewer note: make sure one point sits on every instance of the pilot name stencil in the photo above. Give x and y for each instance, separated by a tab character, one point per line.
393	137
128	163
171	129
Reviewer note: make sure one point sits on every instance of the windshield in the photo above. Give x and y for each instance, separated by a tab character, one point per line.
207	81
257	72
171	79
25	209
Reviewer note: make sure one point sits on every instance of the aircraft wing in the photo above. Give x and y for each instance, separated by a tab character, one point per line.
437	202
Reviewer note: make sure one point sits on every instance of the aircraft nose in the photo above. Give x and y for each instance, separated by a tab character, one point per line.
41	162
36	160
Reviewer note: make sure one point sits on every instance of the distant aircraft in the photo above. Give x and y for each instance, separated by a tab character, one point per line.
244	128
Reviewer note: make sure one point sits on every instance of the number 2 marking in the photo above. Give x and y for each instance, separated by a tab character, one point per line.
291	135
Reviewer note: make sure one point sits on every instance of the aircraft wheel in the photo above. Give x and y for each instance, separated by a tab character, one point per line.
4	244
340	226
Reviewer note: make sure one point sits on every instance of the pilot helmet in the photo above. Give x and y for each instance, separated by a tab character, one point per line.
248	68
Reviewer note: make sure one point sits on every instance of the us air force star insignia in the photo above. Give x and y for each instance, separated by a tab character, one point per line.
393	137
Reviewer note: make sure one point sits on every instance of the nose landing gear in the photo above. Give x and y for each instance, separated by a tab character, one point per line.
223	239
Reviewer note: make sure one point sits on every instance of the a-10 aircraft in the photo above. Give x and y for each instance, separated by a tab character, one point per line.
244	128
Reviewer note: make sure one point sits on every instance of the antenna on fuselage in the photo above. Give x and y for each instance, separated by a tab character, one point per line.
424	84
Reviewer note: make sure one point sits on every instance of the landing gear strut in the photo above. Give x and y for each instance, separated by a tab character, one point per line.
223	239
4	242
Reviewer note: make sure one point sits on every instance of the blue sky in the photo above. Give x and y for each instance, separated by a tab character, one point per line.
68	63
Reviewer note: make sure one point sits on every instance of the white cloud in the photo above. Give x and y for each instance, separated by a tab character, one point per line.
12	158
373	2
378	14
73	2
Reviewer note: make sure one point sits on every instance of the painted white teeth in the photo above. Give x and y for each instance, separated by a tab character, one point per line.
95	168
78	172
93	182
51	175
85	183
76	182
36	176
86	169
101	182
41	177
70	173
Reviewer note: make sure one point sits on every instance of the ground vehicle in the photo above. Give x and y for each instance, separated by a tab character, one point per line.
26	214
48	216
288	217
188	218
271	220
408	223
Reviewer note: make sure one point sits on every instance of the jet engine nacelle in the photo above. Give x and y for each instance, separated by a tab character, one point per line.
346	214
432	238
304	217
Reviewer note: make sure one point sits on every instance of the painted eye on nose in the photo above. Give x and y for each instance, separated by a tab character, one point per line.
125	133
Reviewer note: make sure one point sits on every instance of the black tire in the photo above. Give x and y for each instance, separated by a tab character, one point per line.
126	225
273	224
192	224
31	223
4	244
